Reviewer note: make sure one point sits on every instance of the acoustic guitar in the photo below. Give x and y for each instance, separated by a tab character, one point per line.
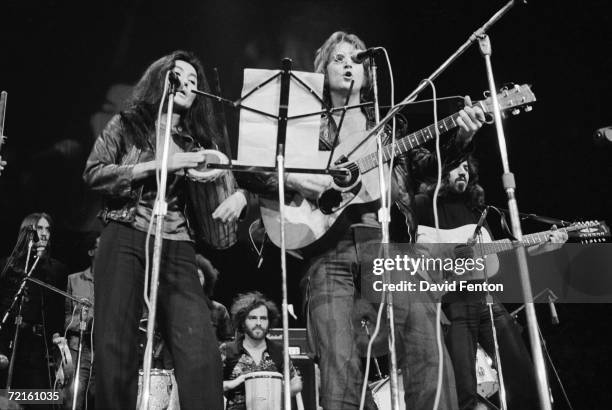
585	232
311	223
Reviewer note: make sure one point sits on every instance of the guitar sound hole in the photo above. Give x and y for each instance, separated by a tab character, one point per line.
344	181
329	200
349	180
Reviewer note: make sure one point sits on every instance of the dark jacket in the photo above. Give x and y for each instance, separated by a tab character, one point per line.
41	306
109	171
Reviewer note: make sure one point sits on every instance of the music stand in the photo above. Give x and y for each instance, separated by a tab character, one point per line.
282	118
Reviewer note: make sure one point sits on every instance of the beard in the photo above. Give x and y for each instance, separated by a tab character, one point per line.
261	332
459	185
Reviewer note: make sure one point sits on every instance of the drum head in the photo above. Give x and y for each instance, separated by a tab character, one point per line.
263	375
381	392
205	174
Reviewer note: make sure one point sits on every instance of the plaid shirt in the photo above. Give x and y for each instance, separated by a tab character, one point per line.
237	361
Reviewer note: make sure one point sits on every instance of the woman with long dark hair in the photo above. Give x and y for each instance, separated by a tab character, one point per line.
122	167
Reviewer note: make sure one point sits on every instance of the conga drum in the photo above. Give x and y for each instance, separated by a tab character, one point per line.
164	393
206	189
263	390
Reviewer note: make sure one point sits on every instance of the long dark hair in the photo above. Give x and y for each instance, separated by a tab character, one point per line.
21	246
474	193
139	118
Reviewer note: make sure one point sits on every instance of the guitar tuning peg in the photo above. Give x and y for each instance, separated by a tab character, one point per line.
486	93
516	111
528	108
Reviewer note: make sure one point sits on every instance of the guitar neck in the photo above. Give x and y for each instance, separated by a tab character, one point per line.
528	240
508	99
408	142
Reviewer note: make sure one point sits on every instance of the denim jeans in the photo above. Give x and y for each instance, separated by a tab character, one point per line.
330	286
471	324
183	317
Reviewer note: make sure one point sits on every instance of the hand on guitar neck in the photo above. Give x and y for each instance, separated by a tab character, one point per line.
556	239
469	121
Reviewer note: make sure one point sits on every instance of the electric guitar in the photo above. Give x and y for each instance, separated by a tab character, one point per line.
309	223
586	232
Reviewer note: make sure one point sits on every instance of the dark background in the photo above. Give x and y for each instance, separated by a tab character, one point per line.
59	58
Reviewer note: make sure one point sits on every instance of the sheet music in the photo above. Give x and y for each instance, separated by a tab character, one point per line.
257	133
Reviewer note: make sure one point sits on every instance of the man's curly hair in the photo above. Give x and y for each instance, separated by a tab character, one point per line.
474	193
246	302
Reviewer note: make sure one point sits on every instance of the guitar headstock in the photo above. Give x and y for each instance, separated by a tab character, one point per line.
589	231
512	98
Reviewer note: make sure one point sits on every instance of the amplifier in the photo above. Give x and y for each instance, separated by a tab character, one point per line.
302	359
298	339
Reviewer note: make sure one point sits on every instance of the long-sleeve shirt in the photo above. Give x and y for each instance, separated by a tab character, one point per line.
40	305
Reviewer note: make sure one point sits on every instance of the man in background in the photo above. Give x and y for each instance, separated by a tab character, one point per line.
81	286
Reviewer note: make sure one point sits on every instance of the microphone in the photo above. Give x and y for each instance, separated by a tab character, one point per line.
3	97
174	80
479	225
32	231
603	136
370	52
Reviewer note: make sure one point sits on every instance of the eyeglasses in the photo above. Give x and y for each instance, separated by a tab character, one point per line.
342	58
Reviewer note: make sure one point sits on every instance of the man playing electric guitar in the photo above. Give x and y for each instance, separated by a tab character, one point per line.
459	203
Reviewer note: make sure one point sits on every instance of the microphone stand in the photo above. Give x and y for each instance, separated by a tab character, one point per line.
286	75
82	328
425	83
384	218
481	221
159	212
508	180
18	318
489	300
280	166
510	188
85	305
551	298
364	325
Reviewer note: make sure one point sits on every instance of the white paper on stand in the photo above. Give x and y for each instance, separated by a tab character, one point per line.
257	134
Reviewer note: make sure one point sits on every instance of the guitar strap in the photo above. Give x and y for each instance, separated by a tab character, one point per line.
503	222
